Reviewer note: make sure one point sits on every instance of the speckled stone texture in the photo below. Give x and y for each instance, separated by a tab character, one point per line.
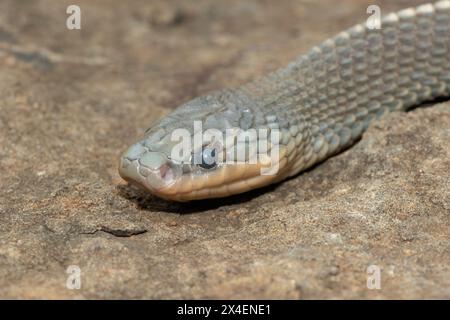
70	101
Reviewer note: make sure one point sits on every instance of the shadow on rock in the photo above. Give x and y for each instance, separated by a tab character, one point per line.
149	202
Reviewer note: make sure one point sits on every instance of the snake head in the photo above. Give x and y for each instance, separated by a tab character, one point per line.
207	148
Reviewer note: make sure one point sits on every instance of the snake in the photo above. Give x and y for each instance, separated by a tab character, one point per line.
318	105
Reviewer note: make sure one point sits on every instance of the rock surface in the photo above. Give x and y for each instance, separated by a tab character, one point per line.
71	100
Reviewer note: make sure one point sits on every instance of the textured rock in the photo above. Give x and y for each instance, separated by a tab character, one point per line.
70	101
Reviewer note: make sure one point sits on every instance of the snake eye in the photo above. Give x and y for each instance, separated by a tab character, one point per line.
209	160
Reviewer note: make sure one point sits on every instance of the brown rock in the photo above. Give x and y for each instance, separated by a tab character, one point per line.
72	100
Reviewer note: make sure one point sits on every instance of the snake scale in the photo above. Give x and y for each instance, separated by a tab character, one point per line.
320	104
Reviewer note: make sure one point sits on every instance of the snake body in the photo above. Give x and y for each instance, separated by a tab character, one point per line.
320	104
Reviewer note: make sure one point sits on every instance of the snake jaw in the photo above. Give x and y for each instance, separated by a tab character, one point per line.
156	172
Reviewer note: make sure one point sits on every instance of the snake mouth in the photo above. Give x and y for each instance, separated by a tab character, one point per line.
153	171
149	170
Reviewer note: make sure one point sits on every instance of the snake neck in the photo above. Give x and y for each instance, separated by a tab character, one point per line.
331	94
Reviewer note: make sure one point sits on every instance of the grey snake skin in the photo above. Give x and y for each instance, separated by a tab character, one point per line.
321	103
